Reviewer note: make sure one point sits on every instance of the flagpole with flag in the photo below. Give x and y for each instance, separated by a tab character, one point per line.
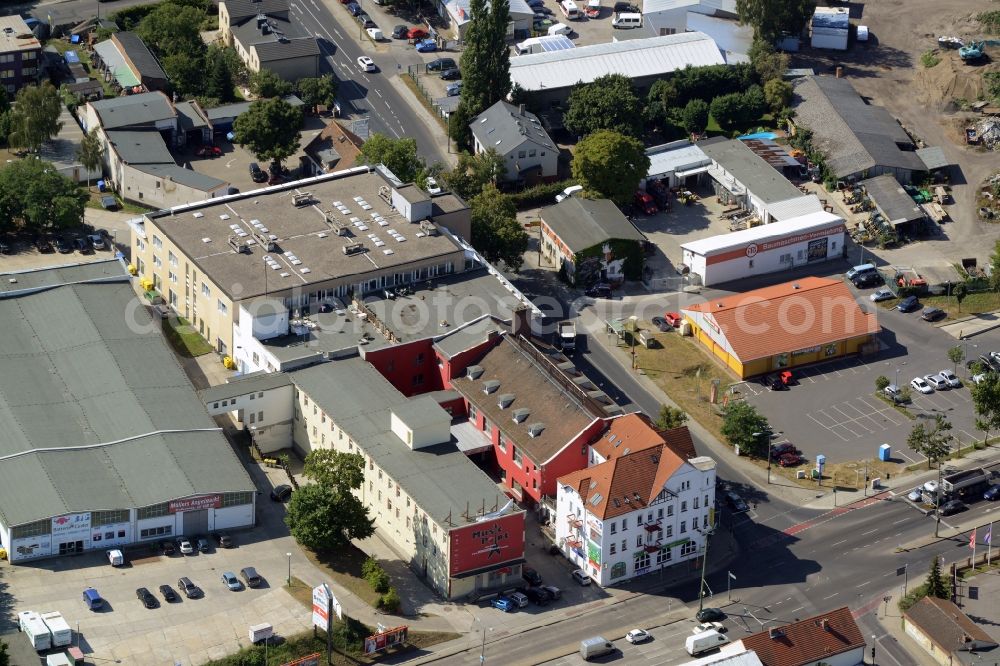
989	543
972	545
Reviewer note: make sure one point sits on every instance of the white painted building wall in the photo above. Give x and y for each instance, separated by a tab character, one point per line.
609	547
268	414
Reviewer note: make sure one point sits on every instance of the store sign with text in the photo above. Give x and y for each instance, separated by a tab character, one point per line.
195	503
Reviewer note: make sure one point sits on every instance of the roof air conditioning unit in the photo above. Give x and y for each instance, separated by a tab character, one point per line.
353	248
302	199
428	228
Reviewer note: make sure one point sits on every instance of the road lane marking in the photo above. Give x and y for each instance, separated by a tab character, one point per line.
838	543
901	520
831	596
870	532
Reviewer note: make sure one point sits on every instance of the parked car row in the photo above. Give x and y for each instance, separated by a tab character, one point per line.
84	243
248	577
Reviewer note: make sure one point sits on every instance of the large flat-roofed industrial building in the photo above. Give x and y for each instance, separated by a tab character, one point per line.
323	239
103	441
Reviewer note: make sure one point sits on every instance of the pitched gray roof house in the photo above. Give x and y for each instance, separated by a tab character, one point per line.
141	60
134	110
505	126
857	138
583	223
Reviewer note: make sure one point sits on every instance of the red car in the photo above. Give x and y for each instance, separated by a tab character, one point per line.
417	33
790	460
208	151
673	318
644	202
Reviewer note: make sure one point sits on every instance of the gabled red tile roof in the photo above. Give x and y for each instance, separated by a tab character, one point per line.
634	432
786	317
807	641
626	483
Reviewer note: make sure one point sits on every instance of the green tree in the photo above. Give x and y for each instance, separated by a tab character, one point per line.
324	519
778	94
265	83
767	63
4	657
35	196
269	129
881	382
694	116
90	154
485	65
610	165
186	72
398	155
35	116
334	469
661	102
496	233
318	91
986	402
740	422
171	28
932	442
771	18
474	172
995	267
960	291
956	355
219	82
609	103
936	585
670	417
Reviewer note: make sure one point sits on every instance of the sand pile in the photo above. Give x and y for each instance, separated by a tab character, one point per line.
951	79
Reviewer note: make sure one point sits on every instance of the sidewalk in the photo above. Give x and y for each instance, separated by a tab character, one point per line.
723	551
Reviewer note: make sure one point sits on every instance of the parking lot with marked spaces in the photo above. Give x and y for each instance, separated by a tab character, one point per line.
832	409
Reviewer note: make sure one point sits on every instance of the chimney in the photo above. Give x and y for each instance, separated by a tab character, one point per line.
775	632
840	72
825	624
520	323
520	109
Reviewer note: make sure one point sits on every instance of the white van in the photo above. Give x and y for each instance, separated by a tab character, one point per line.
31	625
627	20
569	9
703	642
116	558
597	646
860	270
559	29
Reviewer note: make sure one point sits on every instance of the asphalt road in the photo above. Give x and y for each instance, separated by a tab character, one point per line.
361	94
364	94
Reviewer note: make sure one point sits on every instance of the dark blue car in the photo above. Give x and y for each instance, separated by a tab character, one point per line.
908	304
992	494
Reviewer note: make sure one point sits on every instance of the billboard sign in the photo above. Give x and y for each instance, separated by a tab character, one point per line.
71	527
486	543
385	639
195	503
321	602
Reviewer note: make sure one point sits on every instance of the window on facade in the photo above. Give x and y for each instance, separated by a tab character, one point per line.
663	555
205	291
670	531
624	524
487	427
695	503
171	258
638	541
502	444
684	506
614	549
688	548
157	243
683	527
518	460
614	528
618	570
706	500
624	546
694	523
670	510
420	359
638	519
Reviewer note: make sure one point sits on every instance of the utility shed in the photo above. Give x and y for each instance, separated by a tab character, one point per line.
830	27
892	202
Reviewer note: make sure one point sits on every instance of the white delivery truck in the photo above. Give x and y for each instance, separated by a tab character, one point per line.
703	642
116	558
32	626
567	335
59	629
58	659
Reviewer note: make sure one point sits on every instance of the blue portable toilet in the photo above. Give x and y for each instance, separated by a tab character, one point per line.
884	452
101	186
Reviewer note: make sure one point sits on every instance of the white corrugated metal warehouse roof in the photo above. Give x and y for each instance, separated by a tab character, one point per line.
764	232
783	210
673	157
633	58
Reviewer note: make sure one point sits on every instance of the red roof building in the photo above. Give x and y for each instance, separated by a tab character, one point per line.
831	638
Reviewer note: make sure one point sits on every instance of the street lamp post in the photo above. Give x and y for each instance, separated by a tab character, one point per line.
704	560
635	323
289	556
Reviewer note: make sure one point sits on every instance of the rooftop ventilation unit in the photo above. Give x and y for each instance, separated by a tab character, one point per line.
474	371
521	414
491	386
505	400
238	246
353	248
303	199
428	228
775	632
